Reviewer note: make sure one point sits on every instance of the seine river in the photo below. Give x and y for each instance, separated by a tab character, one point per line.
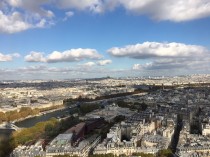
32	121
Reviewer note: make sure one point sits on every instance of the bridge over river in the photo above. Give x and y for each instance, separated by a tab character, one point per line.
9	126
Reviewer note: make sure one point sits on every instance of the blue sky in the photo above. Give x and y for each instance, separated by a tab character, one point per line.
49	39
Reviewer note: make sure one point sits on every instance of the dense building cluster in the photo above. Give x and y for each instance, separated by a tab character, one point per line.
175	117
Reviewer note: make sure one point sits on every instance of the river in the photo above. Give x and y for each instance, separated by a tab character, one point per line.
32	121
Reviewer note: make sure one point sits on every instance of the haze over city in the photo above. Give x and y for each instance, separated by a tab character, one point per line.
93	38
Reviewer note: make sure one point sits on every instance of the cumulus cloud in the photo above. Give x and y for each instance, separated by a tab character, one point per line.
8	57
166	56
13	23
21	15
65	56
35	57
35	7
104	62
73	55
177	11
154	50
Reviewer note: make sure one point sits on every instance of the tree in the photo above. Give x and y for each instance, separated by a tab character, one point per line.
141	106
6	146
49	130
86	108
65	156
32	134
25	111
119	118
165	153
102	155
3	117
35	111
12	115
143	155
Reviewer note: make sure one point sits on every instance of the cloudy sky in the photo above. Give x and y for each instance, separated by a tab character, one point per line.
64	39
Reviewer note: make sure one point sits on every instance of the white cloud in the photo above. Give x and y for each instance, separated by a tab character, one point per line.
36	7
179	10
99	63
137	67
68	15
104	62
164	64
155	50
8	57
73	55
65	56
89	64
21	15
91	5
165	56
13	23
17	22
35	57
33	69
4	58
201	63
41	24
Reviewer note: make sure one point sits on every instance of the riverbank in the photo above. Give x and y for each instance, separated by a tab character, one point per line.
60	107
61	112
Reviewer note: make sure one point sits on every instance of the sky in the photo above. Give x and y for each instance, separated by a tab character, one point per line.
67	39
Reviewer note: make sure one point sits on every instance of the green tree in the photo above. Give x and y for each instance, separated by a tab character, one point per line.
32	134
6	146
48	129
102	155
65	156
165	153
143	155
86	108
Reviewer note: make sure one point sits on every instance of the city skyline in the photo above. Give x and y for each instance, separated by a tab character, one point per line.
83	39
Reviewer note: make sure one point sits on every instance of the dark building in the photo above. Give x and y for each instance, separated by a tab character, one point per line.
92	124
78	131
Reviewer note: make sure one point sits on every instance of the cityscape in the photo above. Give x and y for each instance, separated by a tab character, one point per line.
104	78
166	116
